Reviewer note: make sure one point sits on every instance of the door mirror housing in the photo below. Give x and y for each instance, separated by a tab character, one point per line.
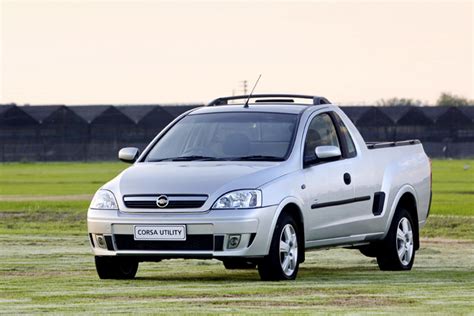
129	154
327	152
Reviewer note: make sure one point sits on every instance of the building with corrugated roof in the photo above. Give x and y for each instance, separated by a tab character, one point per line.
82	133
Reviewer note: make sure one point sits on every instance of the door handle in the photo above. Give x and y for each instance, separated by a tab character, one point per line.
347	178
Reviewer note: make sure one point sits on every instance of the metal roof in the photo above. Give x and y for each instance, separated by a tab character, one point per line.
14	115
158	117
374	117
395	113
355	112
112	116
176	110
41	112
89	112
414	116
433	112
454	117
468	111
136	112
5	107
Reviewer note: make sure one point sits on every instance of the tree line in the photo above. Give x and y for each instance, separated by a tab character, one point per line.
445	99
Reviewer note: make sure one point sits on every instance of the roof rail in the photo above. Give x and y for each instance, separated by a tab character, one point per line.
279	98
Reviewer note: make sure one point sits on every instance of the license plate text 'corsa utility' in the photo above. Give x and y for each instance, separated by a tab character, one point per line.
160	232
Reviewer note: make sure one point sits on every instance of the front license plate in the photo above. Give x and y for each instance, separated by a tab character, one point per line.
159	232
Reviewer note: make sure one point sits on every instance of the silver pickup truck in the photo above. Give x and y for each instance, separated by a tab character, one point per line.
255	184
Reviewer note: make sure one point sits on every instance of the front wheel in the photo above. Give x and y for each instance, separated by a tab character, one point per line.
116	267
398	250
282	261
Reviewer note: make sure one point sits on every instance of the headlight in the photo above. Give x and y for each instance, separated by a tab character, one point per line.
239	199
104	200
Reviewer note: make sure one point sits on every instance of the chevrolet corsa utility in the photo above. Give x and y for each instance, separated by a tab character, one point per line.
256	185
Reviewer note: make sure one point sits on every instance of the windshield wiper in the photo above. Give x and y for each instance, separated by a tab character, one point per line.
186	158
259	158
207	158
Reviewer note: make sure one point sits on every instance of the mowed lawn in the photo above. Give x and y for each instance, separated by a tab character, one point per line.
46	264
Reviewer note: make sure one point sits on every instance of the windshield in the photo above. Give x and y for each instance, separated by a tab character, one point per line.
227	136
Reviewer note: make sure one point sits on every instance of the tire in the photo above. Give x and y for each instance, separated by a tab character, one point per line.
282	265
116	267
238	264
397	252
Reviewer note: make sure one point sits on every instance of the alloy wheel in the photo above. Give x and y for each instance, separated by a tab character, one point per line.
404	241
288	249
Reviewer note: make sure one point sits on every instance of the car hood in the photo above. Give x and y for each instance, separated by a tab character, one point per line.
194	177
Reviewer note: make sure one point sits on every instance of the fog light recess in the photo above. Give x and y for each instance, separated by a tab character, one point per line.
101	241
233	241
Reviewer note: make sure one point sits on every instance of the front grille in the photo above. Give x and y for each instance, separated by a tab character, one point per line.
174	201
192	242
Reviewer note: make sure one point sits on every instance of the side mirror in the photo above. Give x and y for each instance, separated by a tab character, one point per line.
327	152
129	154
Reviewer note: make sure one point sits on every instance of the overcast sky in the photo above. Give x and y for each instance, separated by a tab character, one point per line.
103	52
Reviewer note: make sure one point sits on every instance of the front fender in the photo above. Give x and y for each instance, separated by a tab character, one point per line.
285	202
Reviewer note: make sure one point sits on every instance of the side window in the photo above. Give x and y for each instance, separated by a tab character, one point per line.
321	132
346	138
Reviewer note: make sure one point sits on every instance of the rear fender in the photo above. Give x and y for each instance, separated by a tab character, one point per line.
406	188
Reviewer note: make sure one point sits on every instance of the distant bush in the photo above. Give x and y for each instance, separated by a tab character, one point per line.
448	99
398	101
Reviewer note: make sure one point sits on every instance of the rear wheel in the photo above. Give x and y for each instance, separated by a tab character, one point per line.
282	261
116	267
398	250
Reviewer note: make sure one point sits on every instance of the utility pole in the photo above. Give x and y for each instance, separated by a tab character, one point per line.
244	86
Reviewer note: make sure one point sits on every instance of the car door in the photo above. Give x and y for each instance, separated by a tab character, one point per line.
362	219
329	188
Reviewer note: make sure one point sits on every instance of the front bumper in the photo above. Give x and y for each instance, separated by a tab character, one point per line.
207	233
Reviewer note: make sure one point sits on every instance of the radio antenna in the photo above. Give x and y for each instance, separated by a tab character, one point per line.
250	95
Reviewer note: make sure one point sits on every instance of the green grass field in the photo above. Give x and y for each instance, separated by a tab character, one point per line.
46	264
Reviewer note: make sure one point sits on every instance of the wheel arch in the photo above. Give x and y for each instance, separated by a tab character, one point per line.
293	207
406	198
